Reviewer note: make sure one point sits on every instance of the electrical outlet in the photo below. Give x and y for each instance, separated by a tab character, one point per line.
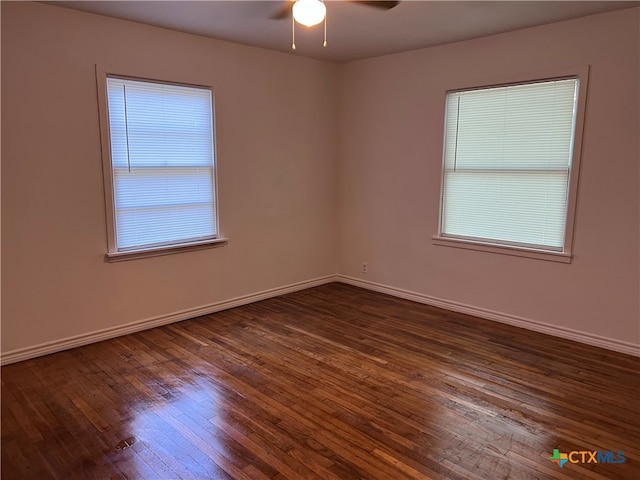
364	267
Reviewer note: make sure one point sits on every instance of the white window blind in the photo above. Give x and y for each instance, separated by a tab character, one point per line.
507	160
162	163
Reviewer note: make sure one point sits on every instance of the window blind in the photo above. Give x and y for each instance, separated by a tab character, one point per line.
162	163
507	158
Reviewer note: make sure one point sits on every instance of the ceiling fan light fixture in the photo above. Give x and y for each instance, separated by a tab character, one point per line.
309	12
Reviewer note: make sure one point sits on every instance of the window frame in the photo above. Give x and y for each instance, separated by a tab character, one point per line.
113	254
566	254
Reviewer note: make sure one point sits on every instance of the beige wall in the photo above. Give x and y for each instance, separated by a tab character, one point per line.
321	167
276	170
392	111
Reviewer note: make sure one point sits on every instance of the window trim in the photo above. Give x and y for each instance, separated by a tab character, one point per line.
164	250
566	254
113	254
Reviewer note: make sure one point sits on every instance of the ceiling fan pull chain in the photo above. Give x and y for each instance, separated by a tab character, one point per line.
293	33
325	31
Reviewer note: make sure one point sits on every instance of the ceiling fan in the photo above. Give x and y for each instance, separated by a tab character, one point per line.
312	12
286	10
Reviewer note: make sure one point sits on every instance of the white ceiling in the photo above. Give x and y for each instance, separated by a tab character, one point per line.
354	31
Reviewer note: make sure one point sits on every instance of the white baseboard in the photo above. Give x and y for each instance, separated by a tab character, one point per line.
107	333
554	330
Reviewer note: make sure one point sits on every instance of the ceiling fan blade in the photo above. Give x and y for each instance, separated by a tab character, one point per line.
284	11
384	5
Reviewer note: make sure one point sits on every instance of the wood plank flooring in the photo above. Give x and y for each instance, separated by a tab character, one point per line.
333	382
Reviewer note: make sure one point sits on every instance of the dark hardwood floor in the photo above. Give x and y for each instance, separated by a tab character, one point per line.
333	382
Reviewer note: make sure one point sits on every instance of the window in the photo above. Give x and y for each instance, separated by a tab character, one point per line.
160	171
507	166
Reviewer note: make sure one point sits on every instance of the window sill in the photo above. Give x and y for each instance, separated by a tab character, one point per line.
160	251
562	257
